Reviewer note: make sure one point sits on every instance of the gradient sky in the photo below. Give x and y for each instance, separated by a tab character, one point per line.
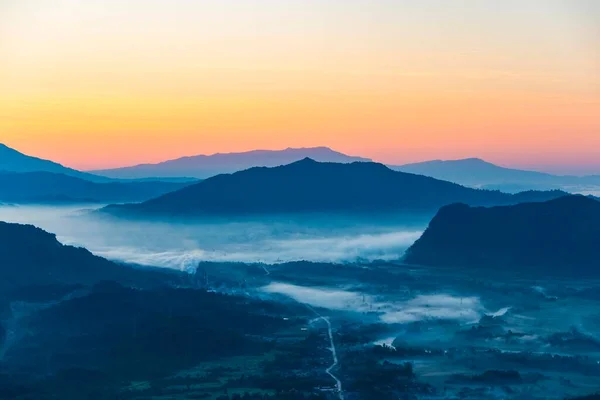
106	83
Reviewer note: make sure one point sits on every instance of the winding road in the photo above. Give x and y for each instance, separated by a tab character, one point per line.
267	272
338	383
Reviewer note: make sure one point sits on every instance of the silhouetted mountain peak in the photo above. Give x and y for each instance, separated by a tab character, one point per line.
13	233
12	160
472	162
563	203
6	151
311	186
573	201
309	165
558	236
305	161
475	161
317	148
205	166
481	173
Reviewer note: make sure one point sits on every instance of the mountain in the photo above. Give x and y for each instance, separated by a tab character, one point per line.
46	187
310	186
13	161
475	172
69	316
204	166
33	258
559	236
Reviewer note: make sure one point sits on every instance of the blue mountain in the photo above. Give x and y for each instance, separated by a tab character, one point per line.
205	166
560	236
309	186
12	160
48	187
475	172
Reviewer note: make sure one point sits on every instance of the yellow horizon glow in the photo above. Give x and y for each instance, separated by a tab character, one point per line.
101	84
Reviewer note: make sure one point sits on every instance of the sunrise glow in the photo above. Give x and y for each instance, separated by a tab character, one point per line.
98	84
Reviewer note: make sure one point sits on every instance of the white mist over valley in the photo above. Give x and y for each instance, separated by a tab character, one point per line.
182	245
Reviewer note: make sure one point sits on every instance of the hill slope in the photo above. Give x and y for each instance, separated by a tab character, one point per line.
479	173
13	161
560	236
31	257
204	166
67	314
310	186
51	187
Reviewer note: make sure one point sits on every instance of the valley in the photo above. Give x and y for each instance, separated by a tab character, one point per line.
324	329
299	200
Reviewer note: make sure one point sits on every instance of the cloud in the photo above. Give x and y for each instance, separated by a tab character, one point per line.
317	297
422	307
182	246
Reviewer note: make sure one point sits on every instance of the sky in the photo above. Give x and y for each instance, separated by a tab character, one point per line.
108	83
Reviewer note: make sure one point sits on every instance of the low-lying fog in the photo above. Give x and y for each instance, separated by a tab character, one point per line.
182	245
412	309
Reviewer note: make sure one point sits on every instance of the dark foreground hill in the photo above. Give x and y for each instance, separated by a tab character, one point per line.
31	258
76	326
308	186
560	236
44	187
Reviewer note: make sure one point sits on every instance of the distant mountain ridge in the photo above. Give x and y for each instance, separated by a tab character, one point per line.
309	186
476	172
12	160
27	179
472	172
47	187
560	236
205	166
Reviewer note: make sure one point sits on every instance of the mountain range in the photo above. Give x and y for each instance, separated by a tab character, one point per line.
76	326
27	179
475	172
47	187
205	166
12	160
309	186
472	172
560	236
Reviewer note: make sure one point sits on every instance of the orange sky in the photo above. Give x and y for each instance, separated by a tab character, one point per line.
99	84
